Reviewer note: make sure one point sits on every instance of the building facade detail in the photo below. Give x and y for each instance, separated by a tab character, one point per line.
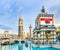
44	28
20	28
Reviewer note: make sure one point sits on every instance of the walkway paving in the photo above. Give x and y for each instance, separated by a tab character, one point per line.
56	46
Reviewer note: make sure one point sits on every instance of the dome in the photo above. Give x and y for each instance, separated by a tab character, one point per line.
43	10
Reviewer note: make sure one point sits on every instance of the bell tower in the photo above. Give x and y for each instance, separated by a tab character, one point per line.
20	28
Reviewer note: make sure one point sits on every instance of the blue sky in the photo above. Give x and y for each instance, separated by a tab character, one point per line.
10	11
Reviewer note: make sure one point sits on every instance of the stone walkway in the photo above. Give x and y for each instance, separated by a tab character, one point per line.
56	46
53	45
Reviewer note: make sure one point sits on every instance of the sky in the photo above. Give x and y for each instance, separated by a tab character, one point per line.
11	10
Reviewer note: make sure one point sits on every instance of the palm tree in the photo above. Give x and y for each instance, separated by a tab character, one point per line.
58	32
58	36
48	36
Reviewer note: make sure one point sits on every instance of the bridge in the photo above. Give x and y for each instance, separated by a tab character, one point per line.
10	41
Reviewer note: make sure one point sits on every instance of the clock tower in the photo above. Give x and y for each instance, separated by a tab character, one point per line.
20	28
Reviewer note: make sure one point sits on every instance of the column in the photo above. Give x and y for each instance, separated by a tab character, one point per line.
55	36
53	33
42	40
52	36
39	35
35	35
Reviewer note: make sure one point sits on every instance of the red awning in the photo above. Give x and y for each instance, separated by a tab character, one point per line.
44	19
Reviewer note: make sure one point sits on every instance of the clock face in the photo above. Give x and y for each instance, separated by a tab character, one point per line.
20	23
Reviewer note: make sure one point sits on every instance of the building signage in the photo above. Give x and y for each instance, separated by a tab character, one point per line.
46	20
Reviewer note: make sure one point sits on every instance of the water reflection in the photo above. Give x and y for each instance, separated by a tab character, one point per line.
20	47
23	47
9	47
5	47
13	47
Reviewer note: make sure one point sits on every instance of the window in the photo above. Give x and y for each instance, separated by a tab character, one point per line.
46	26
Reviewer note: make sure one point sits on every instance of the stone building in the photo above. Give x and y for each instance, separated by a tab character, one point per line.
6	34
20	28
44	28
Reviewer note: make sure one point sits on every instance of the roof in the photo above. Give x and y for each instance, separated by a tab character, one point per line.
21	17
44	15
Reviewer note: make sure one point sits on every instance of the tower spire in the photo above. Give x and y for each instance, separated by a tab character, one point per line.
21	17
43	10
20	29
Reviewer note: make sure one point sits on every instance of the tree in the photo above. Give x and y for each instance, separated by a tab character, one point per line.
48	36
58	32
58	36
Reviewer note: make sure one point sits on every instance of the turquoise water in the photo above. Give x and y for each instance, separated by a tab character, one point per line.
21	46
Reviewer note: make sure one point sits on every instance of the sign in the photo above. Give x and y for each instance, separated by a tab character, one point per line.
46	20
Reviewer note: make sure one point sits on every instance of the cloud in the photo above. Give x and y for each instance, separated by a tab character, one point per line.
5	27
10	11
1	31
9	8
56	11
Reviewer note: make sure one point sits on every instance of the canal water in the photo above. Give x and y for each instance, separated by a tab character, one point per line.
21	46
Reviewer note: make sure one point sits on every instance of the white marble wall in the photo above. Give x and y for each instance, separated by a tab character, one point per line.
42	37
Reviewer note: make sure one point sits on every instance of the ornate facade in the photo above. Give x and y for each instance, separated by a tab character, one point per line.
20	28
44	28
